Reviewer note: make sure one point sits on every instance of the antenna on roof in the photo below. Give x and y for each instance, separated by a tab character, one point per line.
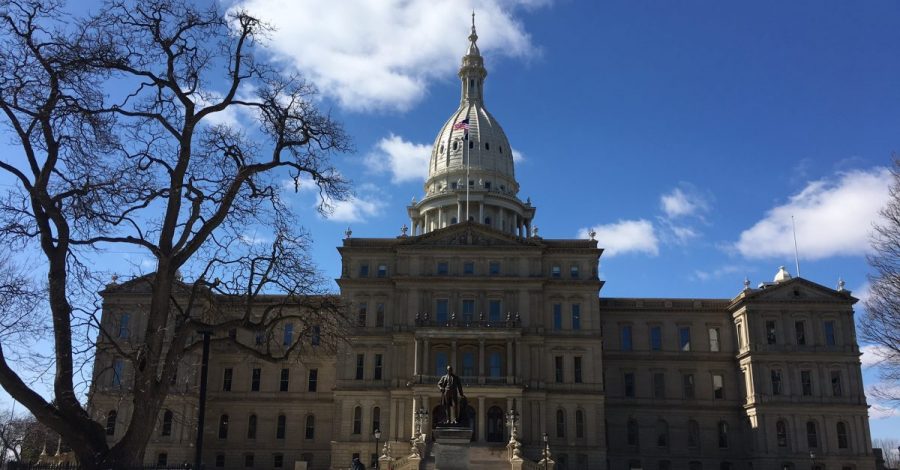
796	252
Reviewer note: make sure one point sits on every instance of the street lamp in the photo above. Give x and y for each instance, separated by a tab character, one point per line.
377	437
812	459
544	462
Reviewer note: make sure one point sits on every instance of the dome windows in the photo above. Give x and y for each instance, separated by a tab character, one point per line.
442	148
487	146
455	144
471	144
501	149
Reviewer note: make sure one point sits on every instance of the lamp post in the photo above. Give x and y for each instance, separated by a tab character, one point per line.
201	413
377	434
812	460
546	451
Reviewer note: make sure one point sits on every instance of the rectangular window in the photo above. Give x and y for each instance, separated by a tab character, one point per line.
714	345
836	388
557	316
776	382
316	337
443	268
226	379
468	364
577	368
576	316
260	337
364	270
687	383
248	461
468	310
771	335
117	368
382	270
312	380
659	385
288	334
740	336
285	380
494	310
280	427
123	325
628	380
684	338
443	310
255	379
362	315
829	333
469	268
656	338
718	387
626	338
360	366
800	331
806	382
494	268
379	314
220	460
573	271
558	361
555	272
379	364
278	461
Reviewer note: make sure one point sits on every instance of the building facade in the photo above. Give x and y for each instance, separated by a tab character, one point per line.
769	379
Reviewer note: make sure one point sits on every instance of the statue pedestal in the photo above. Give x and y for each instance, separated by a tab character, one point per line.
451	447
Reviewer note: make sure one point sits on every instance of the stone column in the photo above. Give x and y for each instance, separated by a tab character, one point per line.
480	418
458	211
416	362
440	218
481	212
481	359
453	354
425	368
509	361
425	230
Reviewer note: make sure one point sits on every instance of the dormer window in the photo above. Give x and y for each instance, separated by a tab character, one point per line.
487	146
455	145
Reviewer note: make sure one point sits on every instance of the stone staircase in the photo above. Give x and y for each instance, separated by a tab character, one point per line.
481	457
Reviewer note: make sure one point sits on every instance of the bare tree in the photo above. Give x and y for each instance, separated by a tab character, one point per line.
889	448
157	166
880	325
23	438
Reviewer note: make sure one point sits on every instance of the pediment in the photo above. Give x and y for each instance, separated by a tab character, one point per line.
470	234
799	290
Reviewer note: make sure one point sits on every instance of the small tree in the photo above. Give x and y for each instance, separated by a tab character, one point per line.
880	325
889	451
125	144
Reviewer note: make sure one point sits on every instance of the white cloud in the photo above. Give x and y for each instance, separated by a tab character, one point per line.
354	209
518	156
383	54
406	161
679	203
625	236
873	354
718	273
833	217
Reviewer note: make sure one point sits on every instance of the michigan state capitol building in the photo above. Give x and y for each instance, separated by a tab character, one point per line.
766	379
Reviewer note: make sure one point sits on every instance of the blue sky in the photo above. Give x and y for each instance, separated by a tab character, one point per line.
686	133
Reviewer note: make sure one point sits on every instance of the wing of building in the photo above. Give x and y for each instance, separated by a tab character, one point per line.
767	379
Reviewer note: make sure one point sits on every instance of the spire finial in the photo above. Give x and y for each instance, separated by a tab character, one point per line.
474	36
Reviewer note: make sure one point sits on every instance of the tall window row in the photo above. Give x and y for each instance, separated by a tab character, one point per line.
282	380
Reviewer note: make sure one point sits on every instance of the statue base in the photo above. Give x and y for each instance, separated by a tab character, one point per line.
451	447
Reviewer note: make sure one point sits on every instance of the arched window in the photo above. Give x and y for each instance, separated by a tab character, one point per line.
812	436
376	418
251	427
357	420
633	433
501	149
452	219
111	422
455	145
494	424
495	362
280	427
166	424
442	148
579	424
487	221
843	442
723	434
693	435
223	426
487	146
781	434
310	427
662	434
560	423
471	144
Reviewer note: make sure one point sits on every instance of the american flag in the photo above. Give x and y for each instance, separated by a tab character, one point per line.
464	124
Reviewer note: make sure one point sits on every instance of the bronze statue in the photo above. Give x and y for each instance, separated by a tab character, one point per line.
451	391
